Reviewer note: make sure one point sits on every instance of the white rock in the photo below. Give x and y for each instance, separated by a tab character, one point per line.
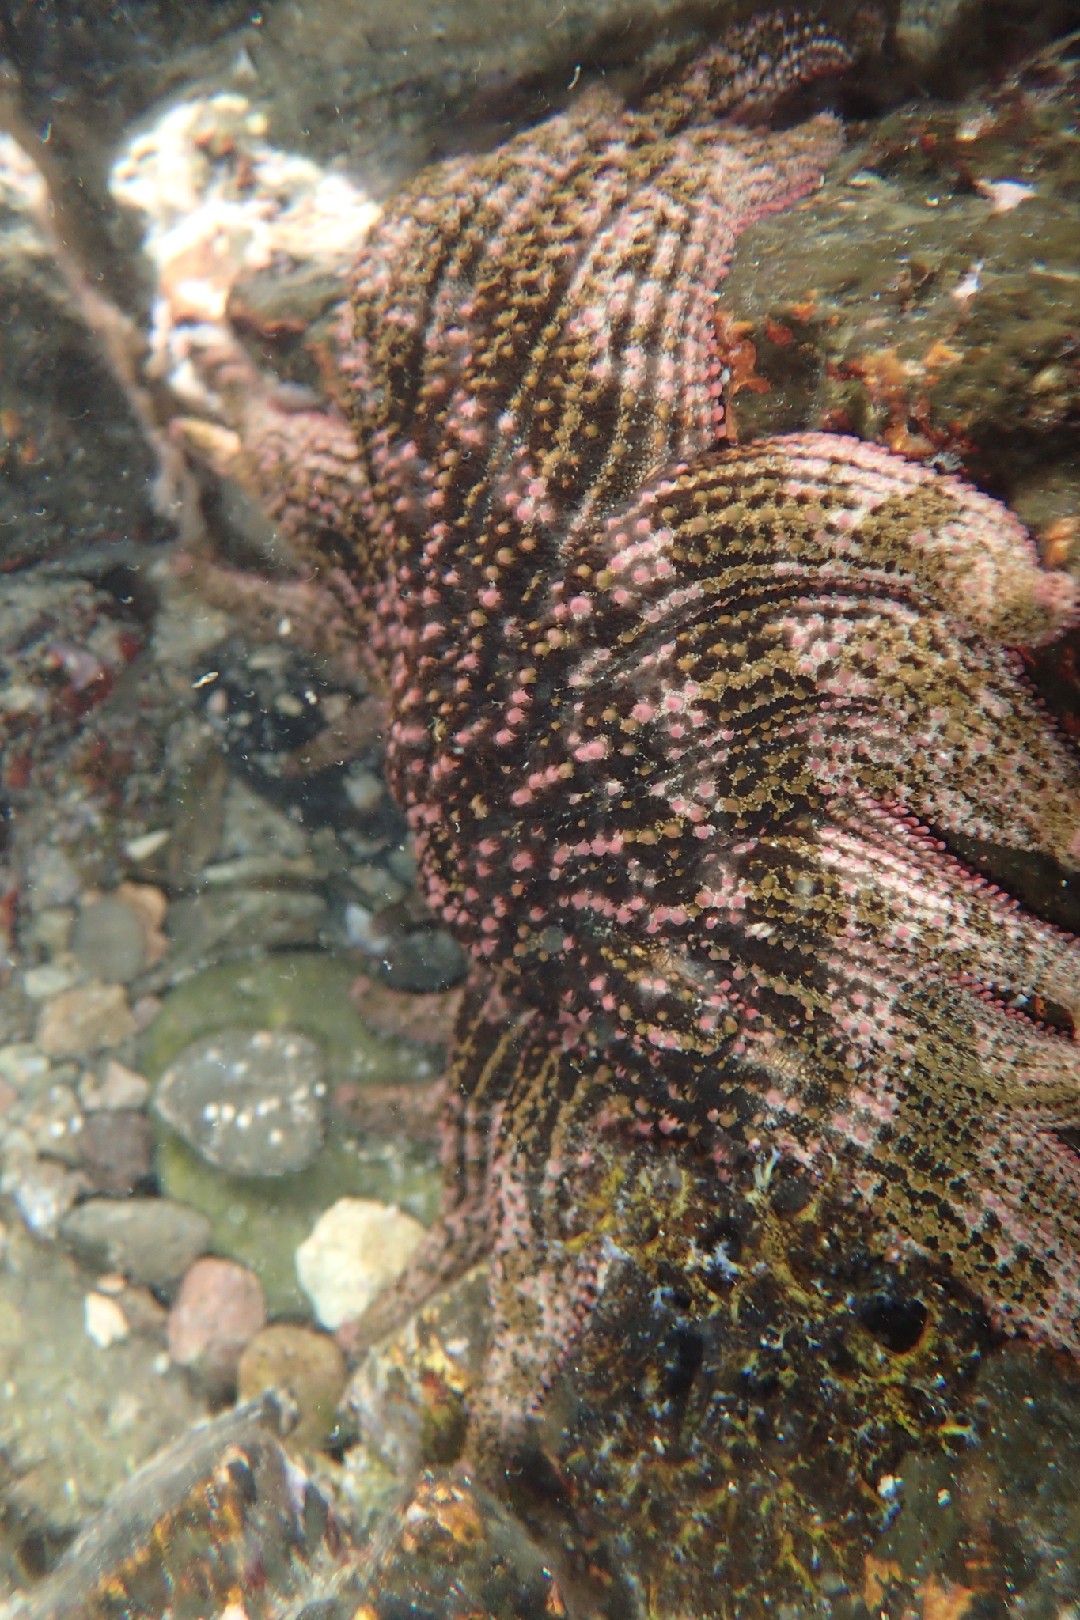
355	1249
360	930
105	1320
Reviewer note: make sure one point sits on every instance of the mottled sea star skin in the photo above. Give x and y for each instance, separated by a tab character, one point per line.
760	1089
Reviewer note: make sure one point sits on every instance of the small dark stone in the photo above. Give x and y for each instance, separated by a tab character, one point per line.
117	1150
424	960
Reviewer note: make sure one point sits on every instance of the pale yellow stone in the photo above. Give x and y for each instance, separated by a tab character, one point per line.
355	1249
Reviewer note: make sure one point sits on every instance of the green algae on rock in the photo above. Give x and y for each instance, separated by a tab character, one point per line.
262	1225
307	991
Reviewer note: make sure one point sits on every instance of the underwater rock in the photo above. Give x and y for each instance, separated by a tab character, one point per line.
148	1240
251	1102
308	1364
356	1248
219	1309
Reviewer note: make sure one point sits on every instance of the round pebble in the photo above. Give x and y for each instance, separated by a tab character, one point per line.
250	1103
117	1150
355	1249
377	886
109	940
219	1309
148	1240
309	1364
364	789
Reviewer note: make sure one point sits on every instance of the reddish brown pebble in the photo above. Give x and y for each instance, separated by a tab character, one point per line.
219	1308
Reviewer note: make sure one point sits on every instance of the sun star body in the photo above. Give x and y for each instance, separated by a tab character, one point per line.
753	1103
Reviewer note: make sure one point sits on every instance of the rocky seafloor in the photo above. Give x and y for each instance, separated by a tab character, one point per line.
223	1008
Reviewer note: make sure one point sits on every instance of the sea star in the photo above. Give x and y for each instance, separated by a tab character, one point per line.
761	1094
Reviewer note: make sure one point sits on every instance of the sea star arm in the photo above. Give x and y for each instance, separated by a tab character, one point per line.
495	1042
779	1100
553	338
